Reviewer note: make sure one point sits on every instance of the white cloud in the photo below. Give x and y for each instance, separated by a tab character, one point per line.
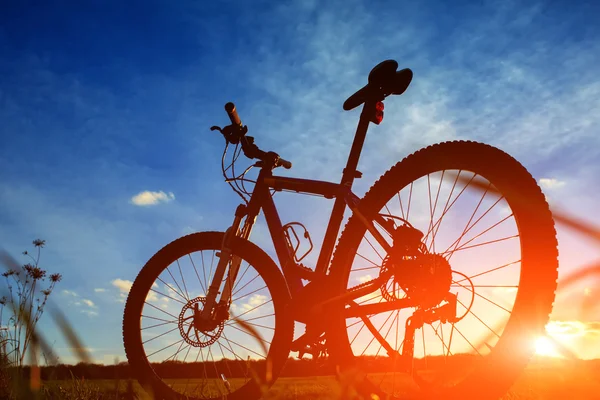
69	293
122	284
88	303
551	183
99	290
148	198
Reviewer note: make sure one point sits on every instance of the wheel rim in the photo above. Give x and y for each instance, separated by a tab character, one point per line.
477	233
214	362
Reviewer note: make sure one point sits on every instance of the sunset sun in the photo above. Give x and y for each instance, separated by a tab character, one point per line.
545	347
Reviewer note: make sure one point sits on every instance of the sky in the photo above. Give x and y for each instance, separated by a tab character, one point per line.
105	109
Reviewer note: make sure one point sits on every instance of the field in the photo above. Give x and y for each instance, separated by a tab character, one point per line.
543	380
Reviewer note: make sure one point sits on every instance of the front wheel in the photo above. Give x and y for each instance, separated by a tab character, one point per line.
479	283
239	356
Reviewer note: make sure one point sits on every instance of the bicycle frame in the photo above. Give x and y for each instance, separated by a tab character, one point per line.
261	199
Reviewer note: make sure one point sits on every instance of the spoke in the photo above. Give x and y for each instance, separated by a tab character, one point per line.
161	324
471	344
204	271
360	319
450	341
162	334
177	284
231	348
468	226
182	279
485	298
376	265
388	332
488	286
164	348
480	320
250	323
248	294
480	244
203	366
250	334
365	268
252	319
185	358
159	319
373	247
373	338
241	278
432	210
244	347
223	355
252	309
390	213
447	207
400	201
171	287
476	222
197	274
371	298
249	282
166	295
490	270
161	310
441	329
219	388
485	231
174	356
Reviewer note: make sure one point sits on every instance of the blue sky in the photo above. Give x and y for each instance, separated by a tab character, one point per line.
102	101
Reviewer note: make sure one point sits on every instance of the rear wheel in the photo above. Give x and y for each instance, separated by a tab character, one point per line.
488	238
238	357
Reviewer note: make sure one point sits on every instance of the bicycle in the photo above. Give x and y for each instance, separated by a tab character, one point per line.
382	265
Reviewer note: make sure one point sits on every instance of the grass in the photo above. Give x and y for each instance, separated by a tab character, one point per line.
543	380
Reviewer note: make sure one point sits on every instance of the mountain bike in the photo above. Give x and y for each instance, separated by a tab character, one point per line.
441	280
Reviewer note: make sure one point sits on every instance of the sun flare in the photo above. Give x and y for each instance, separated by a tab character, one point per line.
545	347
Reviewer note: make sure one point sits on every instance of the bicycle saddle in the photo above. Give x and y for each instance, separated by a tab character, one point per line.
384	80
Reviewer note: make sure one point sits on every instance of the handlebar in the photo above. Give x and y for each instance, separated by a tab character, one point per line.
232	113
236	133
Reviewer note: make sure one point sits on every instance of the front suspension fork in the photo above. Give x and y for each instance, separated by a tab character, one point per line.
225	258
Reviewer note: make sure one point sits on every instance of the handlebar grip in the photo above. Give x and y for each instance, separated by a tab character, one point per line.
285	163
232	113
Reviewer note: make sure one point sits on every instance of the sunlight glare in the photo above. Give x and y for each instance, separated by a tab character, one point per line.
544	347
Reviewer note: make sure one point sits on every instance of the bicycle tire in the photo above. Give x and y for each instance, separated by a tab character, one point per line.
537	278
283	325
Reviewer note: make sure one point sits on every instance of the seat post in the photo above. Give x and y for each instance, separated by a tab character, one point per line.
348	176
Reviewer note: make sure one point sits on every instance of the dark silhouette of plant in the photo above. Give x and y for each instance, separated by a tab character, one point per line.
28	289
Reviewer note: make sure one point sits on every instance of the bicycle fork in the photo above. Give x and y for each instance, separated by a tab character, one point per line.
221	306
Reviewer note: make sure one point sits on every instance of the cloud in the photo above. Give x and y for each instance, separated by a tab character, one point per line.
551	183
122	284
99	290
88	303
69	293
573	328
148	198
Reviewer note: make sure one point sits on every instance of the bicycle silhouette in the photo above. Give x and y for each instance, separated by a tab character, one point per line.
452	235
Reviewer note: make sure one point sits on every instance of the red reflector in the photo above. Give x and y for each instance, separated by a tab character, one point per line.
379	106
378	117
